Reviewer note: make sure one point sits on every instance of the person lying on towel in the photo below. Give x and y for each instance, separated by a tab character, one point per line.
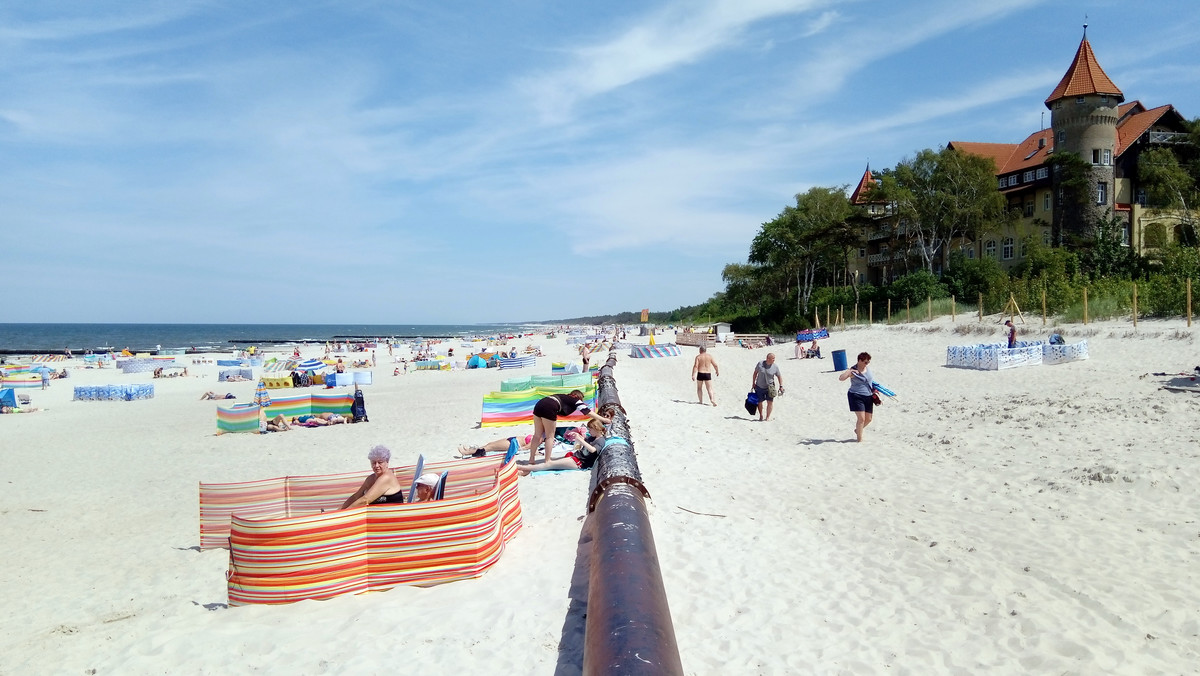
587	450
497	446
320	419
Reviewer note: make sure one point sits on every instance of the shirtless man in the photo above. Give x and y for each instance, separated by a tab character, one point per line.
703	370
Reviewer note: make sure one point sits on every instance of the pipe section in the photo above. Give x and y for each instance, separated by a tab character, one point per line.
628	628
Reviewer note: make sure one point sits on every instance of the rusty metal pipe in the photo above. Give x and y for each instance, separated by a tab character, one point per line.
628	628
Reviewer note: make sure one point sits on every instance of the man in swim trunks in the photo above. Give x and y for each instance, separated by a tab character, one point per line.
703	370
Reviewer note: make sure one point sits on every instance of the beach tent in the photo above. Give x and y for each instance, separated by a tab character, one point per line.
477	362
8	397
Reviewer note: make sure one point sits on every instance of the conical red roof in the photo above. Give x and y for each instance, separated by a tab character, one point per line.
1085	76
859	196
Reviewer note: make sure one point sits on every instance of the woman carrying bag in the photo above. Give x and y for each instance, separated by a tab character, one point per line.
862	395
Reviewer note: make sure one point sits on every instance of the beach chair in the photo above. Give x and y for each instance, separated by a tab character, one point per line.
440	491
412	489
24	399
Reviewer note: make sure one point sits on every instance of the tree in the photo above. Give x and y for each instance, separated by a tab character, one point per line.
1170	188
800	241
942	196
1072	177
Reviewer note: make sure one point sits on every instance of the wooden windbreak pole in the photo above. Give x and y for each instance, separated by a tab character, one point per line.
930	303
1135	305
856	314
826	315
1085	306
981	308
871	312
816	318
889	314
1043	306
842	315
1189	300
952	308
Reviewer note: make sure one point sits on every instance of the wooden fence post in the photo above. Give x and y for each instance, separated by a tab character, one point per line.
1085	306
930	302
952	308
907	311
981	308
1135	305
842	316
1043	306
889	314
856	314
1189	300
871	312
826	315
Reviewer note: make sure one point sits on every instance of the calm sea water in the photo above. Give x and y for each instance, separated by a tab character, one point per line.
24	338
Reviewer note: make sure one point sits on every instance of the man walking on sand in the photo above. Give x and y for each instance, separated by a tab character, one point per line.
703	370
763	382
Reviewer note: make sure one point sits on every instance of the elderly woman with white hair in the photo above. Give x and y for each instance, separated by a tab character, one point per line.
381	487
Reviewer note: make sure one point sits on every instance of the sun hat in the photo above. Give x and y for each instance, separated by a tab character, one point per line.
428	479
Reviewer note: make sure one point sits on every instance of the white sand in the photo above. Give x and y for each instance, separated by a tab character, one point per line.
967	534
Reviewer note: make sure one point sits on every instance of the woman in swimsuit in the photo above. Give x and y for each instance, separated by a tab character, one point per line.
382	487
587	451
545	417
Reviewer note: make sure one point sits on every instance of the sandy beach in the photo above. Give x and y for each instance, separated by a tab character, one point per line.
1040	520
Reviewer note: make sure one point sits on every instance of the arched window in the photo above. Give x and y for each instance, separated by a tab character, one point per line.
1006	249
989	248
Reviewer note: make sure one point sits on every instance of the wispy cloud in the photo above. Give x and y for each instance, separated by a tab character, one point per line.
678	35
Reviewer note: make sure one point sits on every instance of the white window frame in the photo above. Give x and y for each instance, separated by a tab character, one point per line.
1095	156
1107	156
1102	192
1028	178
1043	172
1006	248
1047	204
989	248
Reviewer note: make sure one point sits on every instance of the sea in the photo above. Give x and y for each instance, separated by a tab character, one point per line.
79	338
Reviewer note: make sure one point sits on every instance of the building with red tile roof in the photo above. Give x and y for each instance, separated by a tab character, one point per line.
1089	117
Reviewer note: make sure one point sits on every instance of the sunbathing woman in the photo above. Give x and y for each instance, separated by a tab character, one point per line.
278	424
382	487
214	395
587	451
320	419
545	418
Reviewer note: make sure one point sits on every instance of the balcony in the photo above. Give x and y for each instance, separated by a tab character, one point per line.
1166	137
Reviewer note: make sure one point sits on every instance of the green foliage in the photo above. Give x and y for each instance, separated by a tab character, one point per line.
917	287
943	195
966	278
1103	255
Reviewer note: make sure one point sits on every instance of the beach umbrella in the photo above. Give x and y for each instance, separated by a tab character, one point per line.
261	397
311	365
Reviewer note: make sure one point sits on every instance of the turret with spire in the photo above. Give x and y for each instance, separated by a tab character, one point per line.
1083	117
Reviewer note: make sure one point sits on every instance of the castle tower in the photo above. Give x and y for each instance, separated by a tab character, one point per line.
1083	117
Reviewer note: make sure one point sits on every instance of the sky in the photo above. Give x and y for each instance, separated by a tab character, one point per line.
481	161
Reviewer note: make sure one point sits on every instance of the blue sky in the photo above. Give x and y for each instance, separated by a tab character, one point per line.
426	162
